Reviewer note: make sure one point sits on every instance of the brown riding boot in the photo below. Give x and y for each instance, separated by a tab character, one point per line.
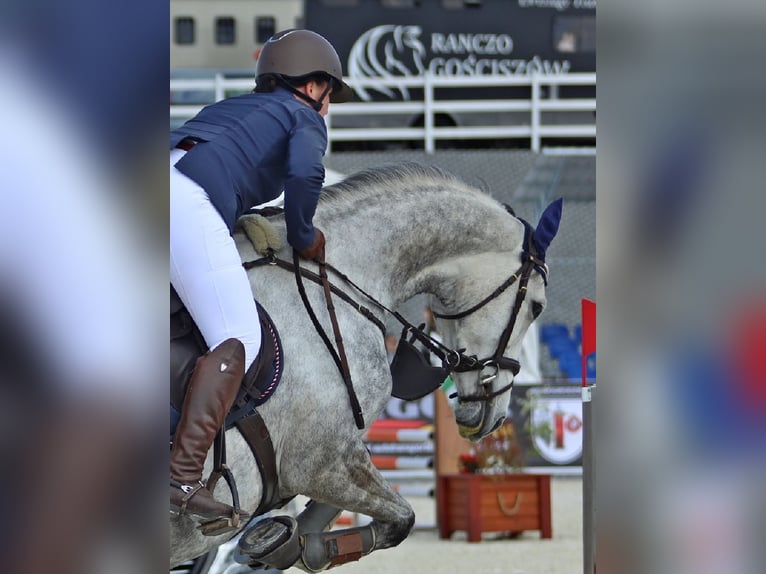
212	390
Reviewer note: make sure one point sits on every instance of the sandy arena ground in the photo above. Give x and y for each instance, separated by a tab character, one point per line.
423	551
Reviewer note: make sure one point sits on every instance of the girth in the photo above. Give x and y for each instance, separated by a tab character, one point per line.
257	436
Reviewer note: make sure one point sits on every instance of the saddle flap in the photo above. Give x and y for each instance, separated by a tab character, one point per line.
263	376
187	345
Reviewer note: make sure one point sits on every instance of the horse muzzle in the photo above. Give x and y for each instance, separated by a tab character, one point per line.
473	414
477	432
470	418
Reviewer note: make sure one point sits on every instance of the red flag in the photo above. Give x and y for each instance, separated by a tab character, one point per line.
588	327
748	355
588	335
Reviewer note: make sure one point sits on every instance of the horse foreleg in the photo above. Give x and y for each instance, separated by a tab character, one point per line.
317	516
283	541
356	485
321	549
352	484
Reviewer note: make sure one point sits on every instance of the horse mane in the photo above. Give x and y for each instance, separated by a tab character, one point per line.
392	180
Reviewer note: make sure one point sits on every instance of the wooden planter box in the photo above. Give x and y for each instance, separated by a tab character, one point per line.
478	503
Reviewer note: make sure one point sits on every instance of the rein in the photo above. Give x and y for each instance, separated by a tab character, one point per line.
338	356
272	259
453	359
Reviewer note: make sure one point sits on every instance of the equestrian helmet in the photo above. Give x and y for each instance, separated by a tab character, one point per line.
295	53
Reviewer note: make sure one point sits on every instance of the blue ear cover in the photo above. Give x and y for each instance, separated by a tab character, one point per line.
547	227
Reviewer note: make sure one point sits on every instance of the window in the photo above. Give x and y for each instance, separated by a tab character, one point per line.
184	30
265	27
224	30
573	34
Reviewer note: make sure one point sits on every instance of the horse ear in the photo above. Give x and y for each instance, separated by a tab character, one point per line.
548	226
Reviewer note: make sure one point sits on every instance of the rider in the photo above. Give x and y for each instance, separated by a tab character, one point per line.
235	154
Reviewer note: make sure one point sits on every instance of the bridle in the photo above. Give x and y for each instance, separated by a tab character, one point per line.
454	360
497	362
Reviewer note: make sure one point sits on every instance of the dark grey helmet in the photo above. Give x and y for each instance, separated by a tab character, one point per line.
296	53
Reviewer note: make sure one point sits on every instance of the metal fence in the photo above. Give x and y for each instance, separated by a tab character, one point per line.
545	114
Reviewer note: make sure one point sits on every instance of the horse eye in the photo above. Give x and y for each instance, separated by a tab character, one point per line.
537	308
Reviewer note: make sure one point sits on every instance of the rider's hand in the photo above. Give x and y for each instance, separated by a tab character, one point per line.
314	251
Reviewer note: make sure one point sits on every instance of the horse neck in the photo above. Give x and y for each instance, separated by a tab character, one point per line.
396	247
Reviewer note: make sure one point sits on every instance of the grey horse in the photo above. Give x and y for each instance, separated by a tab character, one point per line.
396	231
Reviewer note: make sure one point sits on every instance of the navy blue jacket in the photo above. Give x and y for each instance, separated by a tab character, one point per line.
255	145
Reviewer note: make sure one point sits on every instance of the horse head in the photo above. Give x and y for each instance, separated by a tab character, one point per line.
488	327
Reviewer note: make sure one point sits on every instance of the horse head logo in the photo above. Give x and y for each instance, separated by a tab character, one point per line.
387	52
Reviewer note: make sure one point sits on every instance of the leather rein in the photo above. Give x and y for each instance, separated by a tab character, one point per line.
455	360
339	355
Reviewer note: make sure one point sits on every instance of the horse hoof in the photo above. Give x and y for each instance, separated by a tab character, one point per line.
264	537
273	542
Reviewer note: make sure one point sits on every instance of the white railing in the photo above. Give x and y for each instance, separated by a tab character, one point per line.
540	116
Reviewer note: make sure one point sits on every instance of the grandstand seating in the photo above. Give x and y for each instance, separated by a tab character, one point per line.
564	346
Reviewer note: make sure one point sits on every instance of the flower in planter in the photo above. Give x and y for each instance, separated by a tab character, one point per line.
468	462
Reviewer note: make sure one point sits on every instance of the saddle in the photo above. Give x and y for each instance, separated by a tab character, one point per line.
258	384
187	345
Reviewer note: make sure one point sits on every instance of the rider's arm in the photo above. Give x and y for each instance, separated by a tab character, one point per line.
305	176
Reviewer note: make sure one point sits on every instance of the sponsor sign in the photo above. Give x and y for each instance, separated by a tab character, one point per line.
400	51
551	429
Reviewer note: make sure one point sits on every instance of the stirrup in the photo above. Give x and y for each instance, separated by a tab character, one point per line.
207	526
222	525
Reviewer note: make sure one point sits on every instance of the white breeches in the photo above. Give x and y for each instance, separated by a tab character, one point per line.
205	267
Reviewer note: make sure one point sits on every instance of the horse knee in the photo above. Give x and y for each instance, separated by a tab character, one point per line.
404	527
394	532
409	523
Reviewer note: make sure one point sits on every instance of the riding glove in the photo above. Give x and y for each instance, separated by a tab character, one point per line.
314	251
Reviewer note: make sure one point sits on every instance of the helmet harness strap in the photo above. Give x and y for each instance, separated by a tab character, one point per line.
316	104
